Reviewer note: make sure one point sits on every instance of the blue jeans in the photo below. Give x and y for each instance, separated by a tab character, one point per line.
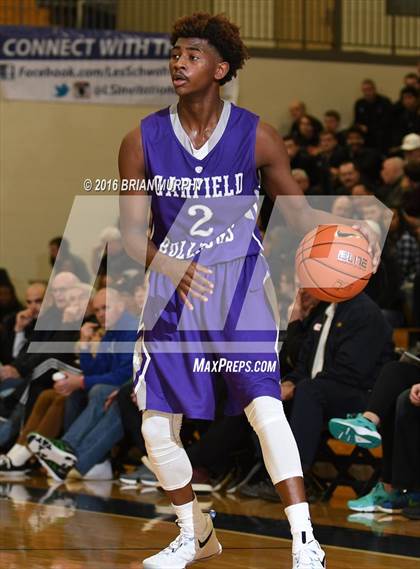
90	416
97	444
8	386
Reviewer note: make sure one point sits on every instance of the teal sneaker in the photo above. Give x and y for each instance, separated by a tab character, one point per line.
370	502
355	431
398	500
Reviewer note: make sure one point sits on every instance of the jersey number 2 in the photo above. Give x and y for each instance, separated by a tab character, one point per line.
206	215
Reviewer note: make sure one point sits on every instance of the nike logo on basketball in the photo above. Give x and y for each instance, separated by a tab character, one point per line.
345	234
204	543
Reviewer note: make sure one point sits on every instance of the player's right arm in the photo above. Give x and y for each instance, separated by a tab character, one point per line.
188	278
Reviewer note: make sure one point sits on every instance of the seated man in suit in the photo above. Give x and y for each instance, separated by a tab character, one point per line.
337	366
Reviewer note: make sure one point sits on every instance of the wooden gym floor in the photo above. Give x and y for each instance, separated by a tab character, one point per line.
102	525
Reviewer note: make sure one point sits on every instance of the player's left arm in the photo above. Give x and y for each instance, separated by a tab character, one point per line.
273	162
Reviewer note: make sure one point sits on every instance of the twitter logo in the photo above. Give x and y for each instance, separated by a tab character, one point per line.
61	90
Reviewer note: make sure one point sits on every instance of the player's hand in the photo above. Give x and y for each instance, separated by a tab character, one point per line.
374	249
415	395
23	318
190	279
287	390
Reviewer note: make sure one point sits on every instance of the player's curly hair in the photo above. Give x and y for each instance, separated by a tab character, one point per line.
219	32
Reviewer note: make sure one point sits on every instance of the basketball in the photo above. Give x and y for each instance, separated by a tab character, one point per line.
333	263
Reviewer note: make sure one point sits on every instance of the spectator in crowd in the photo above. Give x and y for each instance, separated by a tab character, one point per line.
308	134
300	159
334	373
9	303
46	418
16	328
372	114
368	160
62	260
35	370
111	265
411	146
406	117
15	333
297	110
411	80
51	321
342	207
102	375
303	181
111	366
332	120
410	202
394	408
404	246
84	449
302	313
392	174
360	197
349	176
330	157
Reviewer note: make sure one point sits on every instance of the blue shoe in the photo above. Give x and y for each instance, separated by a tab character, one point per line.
370	502
355	431
399	500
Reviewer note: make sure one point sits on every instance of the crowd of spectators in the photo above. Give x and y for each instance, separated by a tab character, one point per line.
84	423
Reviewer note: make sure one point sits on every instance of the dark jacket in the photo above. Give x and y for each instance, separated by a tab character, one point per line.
358	345
376	116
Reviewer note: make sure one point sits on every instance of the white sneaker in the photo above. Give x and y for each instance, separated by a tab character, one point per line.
310	556
101	471
185	550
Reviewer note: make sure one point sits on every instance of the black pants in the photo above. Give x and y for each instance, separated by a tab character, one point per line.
225	436
406	455
315	402
400	439
131	417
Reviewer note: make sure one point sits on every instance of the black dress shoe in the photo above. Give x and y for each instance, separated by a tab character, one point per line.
411	512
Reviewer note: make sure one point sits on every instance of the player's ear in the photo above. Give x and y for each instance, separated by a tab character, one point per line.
222	70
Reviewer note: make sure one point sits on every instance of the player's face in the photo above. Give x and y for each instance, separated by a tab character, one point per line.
195	65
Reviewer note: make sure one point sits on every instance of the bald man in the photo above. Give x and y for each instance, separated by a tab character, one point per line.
297	110
17	328
392	173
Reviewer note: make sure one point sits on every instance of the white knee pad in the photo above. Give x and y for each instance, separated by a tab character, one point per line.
279	448
164	447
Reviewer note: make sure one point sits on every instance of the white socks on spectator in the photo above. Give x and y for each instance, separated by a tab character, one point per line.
300	524
19	454
190	517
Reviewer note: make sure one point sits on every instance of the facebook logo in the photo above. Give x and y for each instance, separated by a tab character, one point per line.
7	71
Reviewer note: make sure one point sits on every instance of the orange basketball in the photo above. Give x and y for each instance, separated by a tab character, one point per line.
333	263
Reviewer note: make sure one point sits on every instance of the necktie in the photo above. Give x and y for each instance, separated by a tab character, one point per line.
320	350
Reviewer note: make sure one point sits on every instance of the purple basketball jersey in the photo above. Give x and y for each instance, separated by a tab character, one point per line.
207	206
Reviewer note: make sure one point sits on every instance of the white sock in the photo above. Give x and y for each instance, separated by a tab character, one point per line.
191	518
300	524
19	454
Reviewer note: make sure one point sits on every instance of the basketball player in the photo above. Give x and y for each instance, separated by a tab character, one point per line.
200	160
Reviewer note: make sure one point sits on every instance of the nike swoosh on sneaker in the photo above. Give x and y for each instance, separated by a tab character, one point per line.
204	543
359	439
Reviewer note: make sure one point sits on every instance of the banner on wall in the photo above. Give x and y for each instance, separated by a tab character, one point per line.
87	66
